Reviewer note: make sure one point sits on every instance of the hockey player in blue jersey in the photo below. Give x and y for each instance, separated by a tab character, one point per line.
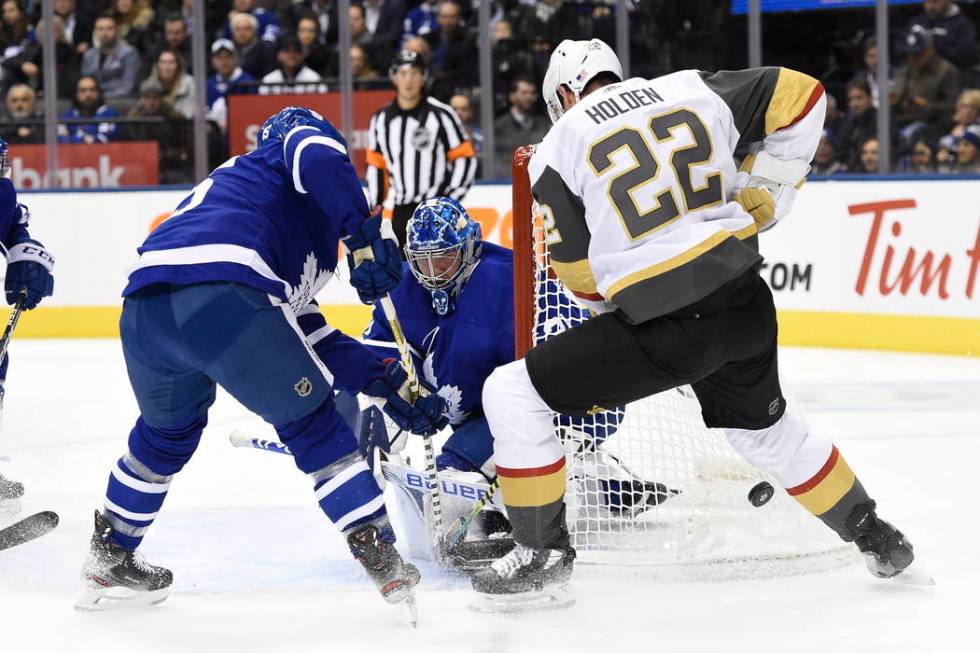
29	268
223	294
456	308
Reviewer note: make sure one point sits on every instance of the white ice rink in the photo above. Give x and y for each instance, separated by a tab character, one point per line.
258	568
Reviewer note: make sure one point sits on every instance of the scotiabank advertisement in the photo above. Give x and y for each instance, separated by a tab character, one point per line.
99	165
246	113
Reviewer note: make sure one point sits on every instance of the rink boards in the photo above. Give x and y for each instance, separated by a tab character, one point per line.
883	264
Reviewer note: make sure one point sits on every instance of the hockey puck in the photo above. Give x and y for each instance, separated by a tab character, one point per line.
761	493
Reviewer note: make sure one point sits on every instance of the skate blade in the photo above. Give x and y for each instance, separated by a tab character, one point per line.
100	599
913	576
412	610
552	598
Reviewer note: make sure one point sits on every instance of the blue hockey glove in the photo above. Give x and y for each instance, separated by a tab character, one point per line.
425	416
29	266
374	260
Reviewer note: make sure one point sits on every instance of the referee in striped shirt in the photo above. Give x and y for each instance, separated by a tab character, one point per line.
416	146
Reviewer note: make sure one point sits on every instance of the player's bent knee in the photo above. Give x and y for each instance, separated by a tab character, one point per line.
509	389
318	439
780	448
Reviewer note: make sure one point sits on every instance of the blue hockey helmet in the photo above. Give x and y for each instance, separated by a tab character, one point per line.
443	248
275	128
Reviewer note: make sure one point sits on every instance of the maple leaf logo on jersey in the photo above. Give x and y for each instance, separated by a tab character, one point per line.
310	282
454	397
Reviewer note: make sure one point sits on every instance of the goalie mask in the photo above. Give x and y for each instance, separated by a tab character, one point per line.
443	248
277	126
574	64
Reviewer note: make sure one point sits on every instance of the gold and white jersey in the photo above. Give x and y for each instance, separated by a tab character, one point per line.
635	183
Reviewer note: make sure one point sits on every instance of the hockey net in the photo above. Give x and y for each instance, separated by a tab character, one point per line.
648	484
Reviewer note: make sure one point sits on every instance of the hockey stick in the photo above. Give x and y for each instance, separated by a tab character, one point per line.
430	457
457	532
12	322
239	439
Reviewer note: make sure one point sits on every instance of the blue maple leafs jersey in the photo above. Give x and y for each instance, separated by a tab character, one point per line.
455	353
13	216
270	219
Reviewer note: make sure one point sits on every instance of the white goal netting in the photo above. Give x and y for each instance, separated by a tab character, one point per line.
648	484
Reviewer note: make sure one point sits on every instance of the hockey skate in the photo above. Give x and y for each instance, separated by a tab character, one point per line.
887	553
394	578
115	577
525	580
10	494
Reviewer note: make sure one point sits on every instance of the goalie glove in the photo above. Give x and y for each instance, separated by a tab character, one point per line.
422	415
766	187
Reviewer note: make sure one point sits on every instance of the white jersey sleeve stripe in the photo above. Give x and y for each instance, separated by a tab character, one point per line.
312	140
200	254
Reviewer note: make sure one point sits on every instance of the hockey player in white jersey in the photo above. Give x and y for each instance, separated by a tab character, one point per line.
656	230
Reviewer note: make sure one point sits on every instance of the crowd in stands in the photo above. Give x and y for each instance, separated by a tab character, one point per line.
124	68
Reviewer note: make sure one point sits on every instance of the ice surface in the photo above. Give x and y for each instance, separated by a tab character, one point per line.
258	568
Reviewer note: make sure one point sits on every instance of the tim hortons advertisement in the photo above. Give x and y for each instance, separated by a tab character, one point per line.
246	113
904	248
99	165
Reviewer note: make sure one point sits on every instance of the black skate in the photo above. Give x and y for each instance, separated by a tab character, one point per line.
393	577
525	579
887	552
116	577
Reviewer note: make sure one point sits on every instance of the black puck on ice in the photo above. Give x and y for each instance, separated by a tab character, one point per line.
760	494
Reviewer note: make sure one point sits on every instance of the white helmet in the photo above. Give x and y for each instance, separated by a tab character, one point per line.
574	64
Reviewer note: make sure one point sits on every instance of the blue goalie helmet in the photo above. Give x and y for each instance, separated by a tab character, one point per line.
275	128
443	248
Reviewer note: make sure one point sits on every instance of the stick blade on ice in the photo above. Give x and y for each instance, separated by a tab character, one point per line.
27	529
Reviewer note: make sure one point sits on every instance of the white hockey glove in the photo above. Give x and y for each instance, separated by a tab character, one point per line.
767	186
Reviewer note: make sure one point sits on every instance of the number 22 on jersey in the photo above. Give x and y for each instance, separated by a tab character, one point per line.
622	187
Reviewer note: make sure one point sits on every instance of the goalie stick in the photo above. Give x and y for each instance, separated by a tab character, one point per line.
27	529
430	457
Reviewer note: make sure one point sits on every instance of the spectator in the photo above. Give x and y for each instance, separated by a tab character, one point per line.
78	31
825	160
115	64
16	32
860	125
178	86
88	103
227	73
135	18
954	34
420	20
316	54
171	130
26	68
379	54
324	12
967	112
946	155
267	27
22	114
365	77
463	106
834	118
255	56
926	88
968	152
454	52
870	73
292	76
869	157
384	22
176	37
519	126
921	160
510	58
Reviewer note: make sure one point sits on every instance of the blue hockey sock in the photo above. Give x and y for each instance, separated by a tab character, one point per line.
349	495
133	499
